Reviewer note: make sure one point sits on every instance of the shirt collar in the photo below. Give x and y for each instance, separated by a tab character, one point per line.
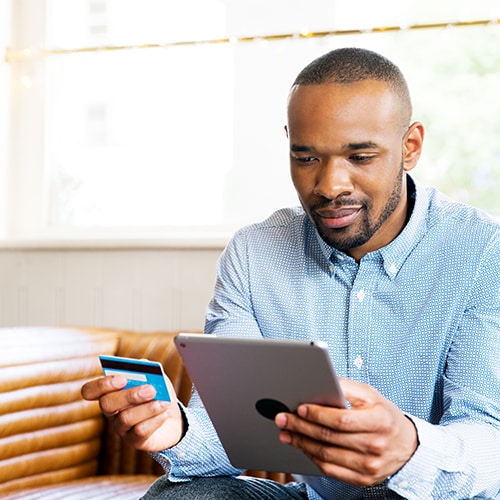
395	253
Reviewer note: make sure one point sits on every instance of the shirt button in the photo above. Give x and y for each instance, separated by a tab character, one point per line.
181	455
393	269
403	484
358	362
361	295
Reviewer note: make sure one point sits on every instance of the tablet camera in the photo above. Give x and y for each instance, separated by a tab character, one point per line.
269	408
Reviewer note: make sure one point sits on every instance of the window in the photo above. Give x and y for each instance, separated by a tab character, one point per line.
4	116
128	117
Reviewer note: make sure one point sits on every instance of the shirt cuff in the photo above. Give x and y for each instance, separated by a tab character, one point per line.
434	454
195	454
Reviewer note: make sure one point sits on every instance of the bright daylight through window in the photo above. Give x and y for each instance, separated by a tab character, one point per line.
128	116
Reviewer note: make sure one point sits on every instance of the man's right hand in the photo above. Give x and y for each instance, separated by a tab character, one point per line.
146	424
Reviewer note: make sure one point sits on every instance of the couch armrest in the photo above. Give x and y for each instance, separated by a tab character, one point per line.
48	434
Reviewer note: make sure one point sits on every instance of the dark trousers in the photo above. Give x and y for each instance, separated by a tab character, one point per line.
222	488
242	488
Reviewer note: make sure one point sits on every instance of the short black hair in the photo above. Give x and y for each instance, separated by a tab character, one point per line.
351	65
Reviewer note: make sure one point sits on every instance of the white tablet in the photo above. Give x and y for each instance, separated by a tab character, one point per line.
245	382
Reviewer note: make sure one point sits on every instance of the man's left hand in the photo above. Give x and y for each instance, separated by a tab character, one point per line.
361	446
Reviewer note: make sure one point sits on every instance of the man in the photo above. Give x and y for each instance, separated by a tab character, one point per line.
402	283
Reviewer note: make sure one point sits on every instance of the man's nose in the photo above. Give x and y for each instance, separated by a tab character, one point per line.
334	179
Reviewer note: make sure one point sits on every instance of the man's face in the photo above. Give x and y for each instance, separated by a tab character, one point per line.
347	161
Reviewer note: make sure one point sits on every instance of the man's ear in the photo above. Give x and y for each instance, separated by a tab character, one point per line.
412	145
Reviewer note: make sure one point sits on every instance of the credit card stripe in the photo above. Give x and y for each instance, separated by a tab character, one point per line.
130	366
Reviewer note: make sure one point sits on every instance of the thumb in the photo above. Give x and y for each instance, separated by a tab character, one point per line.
359	394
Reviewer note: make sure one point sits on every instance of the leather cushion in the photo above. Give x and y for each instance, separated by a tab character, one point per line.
116	487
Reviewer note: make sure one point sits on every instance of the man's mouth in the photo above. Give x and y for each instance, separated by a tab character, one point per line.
337	218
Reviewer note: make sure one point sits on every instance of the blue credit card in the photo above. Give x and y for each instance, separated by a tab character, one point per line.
137	372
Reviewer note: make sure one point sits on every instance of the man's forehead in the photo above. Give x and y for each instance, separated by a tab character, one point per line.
368	103
361	89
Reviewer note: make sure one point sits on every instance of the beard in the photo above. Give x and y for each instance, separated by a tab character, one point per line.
341	238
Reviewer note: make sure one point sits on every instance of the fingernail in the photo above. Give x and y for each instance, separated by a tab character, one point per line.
302	411
280	420
285	437
119	381
146	391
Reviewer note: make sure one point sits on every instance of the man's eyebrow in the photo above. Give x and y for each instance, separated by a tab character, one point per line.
296	148
354	146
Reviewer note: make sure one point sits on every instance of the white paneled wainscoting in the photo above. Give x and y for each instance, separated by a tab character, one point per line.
143	289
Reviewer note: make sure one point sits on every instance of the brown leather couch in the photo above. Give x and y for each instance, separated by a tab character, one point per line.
53	444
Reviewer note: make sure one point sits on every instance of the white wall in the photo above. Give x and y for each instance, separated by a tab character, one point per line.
135	289
4	107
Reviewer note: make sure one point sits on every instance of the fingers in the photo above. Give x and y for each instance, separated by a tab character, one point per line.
361	446
143	419
342	459
96	388
360	469
317	425
353	457
378	417
113	400
370	431
116	402
144	422
152	426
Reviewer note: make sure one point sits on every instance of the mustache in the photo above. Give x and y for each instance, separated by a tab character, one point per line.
339	203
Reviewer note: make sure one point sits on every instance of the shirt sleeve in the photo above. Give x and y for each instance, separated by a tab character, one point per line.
199	453
231	312
459	457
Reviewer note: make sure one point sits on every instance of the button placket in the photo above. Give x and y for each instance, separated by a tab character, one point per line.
360	319
359	332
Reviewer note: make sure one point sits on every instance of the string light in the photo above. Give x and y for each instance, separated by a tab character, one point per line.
16	55
305	33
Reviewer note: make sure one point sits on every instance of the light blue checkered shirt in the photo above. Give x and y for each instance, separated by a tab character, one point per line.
419	320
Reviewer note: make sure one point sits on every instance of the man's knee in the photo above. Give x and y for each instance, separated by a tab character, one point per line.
216	488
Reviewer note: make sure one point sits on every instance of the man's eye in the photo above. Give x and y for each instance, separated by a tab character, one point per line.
361	158
304	159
